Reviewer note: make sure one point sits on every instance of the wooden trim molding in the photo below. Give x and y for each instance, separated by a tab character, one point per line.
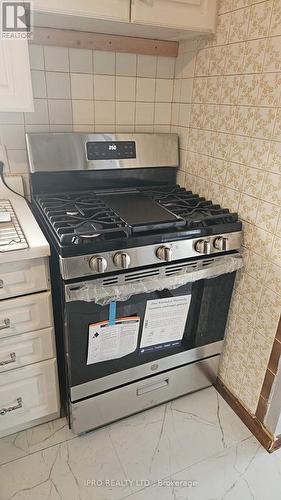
271	372
100	41
254	425
277	444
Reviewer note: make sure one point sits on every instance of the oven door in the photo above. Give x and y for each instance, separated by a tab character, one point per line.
192	331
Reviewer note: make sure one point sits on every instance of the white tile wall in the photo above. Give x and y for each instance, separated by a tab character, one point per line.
85	90
81	61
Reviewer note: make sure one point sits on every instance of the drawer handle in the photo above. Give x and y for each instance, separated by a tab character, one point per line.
1	284
7	324
3	411
13	359
152	387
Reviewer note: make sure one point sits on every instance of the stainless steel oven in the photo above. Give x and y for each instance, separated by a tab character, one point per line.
198	335
142	271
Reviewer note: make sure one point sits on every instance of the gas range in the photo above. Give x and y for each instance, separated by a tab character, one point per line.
110	230
142	271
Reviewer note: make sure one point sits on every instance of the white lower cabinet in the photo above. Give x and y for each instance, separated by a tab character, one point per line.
22	350
25	314
23	277
27	395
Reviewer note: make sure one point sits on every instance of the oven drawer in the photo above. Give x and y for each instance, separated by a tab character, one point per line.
132	398
23	277
25	314
29	348
28	394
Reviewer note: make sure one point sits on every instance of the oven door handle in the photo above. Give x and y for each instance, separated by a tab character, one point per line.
152	387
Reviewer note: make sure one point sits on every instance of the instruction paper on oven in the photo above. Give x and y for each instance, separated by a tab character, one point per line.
164	322
107	341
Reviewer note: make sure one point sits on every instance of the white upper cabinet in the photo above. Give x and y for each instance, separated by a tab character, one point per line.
111	10
15	79
162	19
185	15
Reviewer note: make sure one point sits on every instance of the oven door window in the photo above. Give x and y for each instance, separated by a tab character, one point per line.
207	305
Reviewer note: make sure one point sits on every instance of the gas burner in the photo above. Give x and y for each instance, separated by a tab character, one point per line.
197	211
78	218
88	230
82	218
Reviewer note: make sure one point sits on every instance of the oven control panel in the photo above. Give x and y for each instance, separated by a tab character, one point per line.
130	258
108	150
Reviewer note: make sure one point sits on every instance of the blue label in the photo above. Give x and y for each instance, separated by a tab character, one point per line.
112	313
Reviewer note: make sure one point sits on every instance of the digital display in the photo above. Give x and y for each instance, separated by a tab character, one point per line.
105	150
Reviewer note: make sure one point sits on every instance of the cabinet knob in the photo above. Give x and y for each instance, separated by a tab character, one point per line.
3	411
11	359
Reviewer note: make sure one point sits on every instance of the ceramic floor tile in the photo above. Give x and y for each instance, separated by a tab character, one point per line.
38	438
66	471
245	471
171	437
196	437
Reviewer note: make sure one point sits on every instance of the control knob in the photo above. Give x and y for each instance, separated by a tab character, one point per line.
164	253
98	264
202	246
122	260
221	243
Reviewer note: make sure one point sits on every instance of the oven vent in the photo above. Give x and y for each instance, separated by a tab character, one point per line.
175	269
207	262
139	276
110	281
170	272
162	271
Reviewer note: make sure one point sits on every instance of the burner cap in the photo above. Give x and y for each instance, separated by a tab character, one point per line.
88	229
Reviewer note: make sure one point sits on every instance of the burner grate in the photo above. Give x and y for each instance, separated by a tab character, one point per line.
80	218
197	211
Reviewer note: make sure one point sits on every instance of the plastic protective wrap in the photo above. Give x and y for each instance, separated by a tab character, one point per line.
93	291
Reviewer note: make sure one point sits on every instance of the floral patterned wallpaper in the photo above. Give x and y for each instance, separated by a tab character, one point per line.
227	111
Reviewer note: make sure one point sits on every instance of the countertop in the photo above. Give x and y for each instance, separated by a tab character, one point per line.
38	245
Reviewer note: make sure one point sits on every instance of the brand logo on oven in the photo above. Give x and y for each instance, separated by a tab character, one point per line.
154	367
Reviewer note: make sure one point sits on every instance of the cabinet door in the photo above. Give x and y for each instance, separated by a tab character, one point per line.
115	10
15	79
27	394
23	277
25	314
26	349
190	15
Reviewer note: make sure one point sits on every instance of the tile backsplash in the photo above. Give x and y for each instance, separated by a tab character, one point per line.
227	111
85	90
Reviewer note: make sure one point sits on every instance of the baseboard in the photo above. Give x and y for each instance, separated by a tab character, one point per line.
254	425
276	444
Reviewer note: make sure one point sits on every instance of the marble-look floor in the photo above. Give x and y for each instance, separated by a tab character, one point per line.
193	448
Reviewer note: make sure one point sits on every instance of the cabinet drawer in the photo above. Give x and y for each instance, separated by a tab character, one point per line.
21	278
29	348
25	314
27	394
